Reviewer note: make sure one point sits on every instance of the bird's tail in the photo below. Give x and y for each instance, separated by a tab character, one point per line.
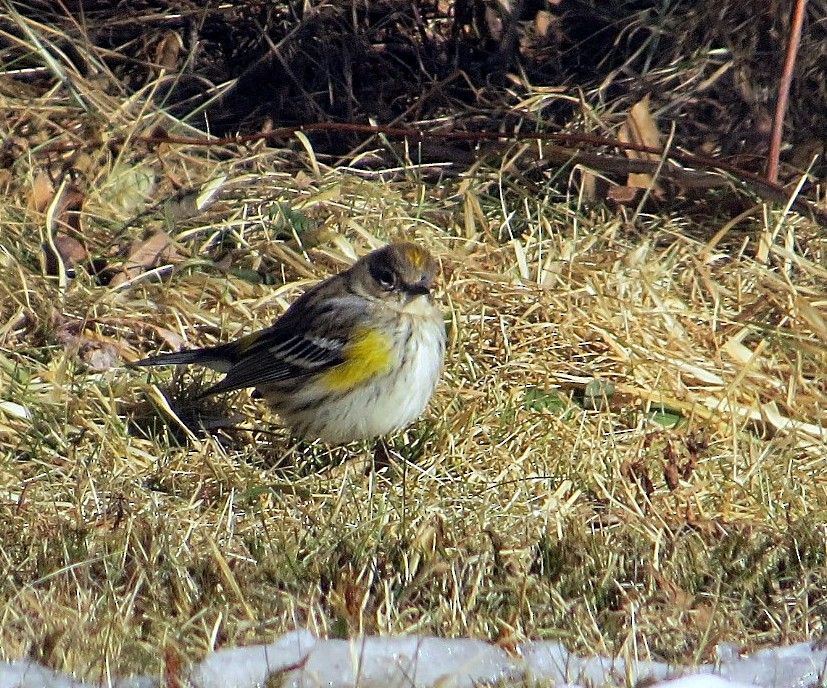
218	358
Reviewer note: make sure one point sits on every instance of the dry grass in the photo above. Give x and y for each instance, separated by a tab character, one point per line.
683	509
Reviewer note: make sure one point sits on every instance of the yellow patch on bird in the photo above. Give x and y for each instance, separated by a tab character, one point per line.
416	255
367	354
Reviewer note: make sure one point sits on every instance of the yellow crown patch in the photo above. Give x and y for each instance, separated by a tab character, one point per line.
414	254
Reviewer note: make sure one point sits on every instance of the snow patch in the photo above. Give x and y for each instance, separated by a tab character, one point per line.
298	660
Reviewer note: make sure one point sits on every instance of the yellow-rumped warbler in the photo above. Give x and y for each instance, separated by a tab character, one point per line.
356	356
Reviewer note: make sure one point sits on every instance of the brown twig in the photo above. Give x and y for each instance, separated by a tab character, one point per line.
760	186
756	183
784	91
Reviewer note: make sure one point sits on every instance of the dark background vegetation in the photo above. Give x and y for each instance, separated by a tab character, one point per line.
449	63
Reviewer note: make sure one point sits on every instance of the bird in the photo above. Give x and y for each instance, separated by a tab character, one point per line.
356	357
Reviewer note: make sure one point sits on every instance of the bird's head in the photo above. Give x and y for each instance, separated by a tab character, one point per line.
399	274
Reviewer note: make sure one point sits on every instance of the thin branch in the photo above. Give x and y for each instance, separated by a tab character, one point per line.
784	91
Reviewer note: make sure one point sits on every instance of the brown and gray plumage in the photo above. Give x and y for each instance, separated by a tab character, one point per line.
356	356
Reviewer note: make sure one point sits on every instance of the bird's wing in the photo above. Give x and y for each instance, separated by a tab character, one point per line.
302	342
269	356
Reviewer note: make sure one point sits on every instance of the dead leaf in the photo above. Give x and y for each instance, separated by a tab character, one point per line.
637	472
70	249
643	127
99	356
640	128
671	475
42	193
623	195
146	255
168	50
542	22
96	352
588	184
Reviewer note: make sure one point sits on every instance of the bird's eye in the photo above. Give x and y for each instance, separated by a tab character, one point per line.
386	279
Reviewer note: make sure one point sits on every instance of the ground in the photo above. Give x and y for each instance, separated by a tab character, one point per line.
626	450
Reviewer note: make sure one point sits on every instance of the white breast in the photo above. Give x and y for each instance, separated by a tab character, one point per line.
392	401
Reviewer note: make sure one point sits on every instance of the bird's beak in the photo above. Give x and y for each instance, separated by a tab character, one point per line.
418	289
